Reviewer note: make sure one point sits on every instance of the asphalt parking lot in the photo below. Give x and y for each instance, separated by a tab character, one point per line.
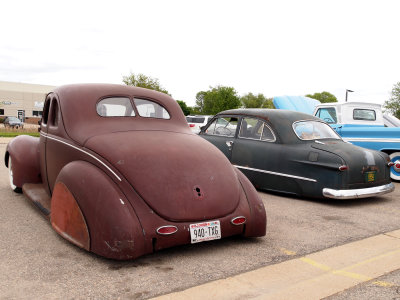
36	263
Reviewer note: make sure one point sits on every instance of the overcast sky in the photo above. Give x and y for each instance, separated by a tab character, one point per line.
277	48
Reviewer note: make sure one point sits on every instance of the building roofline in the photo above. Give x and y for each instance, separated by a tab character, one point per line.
25	87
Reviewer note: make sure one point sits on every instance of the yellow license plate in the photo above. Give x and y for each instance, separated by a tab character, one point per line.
370	176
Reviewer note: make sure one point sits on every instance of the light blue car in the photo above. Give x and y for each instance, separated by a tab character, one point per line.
361	124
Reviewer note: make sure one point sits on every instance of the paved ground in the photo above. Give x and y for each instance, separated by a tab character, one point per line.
314	276
36	263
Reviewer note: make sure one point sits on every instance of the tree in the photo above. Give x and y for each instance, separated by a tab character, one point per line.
141	80
393	104
217	99
184	107
260	101
323	97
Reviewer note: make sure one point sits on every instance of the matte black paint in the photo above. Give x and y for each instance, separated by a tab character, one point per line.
297	166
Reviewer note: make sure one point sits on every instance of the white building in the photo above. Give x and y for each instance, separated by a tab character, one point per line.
22	99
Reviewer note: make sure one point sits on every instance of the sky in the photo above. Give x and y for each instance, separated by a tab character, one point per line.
280	47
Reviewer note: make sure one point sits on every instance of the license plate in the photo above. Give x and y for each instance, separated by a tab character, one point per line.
370	176
205	231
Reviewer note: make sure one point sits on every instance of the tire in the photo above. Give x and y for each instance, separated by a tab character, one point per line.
11	177
395	172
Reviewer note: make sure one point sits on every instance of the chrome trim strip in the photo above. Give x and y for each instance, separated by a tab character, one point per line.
87	153
358	193
377	140
275	173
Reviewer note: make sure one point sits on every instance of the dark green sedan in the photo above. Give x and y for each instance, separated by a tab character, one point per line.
297	153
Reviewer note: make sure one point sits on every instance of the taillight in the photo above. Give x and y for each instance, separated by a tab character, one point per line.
343	168
166	230
191	125
238	220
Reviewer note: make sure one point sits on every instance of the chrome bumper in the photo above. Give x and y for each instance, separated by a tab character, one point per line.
358	193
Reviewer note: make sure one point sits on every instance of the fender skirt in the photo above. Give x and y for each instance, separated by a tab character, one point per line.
90	210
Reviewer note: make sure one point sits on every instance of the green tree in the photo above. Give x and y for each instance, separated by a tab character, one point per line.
141	80
323	97
252	101
217	99
184	107
393	104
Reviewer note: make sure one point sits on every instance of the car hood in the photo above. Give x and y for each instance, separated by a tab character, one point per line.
180	176
359	160
296	103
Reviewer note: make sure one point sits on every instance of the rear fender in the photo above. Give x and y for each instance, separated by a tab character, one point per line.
24	152
113	226
257	225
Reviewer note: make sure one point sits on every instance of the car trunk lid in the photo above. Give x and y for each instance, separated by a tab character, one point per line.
180	176
363	165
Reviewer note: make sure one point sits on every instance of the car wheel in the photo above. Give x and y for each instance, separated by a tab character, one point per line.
395	171
16	126
11	177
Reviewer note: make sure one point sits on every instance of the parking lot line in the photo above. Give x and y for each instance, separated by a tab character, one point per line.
313	276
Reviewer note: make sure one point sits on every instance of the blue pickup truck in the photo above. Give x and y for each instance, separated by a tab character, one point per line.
362	124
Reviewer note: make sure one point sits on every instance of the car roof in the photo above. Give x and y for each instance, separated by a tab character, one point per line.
81	121
280	120
352	104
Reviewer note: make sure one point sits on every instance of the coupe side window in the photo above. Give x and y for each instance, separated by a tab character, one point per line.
364	114
255	129
327	114
150	109
225	126
46	109
115	107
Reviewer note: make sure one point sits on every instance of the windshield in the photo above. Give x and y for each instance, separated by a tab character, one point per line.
314	130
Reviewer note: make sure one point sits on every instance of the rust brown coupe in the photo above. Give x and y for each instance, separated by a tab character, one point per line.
117	172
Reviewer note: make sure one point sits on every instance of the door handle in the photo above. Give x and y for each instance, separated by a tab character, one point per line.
229	144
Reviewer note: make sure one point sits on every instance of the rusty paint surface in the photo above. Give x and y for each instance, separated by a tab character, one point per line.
66	217
118	179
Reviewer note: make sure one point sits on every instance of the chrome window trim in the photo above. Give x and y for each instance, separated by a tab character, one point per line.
276	173
216	119
320	121
260	139
83	151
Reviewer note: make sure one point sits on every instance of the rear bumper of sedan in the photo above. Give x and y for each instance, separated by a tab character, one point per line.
358	193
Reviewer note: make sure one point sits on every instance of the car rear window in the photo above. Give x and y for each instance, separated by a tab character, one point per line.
150	109
314	130
115	107
195	119
364	114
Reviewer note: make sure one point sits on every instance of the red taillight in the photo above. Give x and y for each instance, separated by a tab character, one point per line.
166	230
238	220
343	168
390	164
191	125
